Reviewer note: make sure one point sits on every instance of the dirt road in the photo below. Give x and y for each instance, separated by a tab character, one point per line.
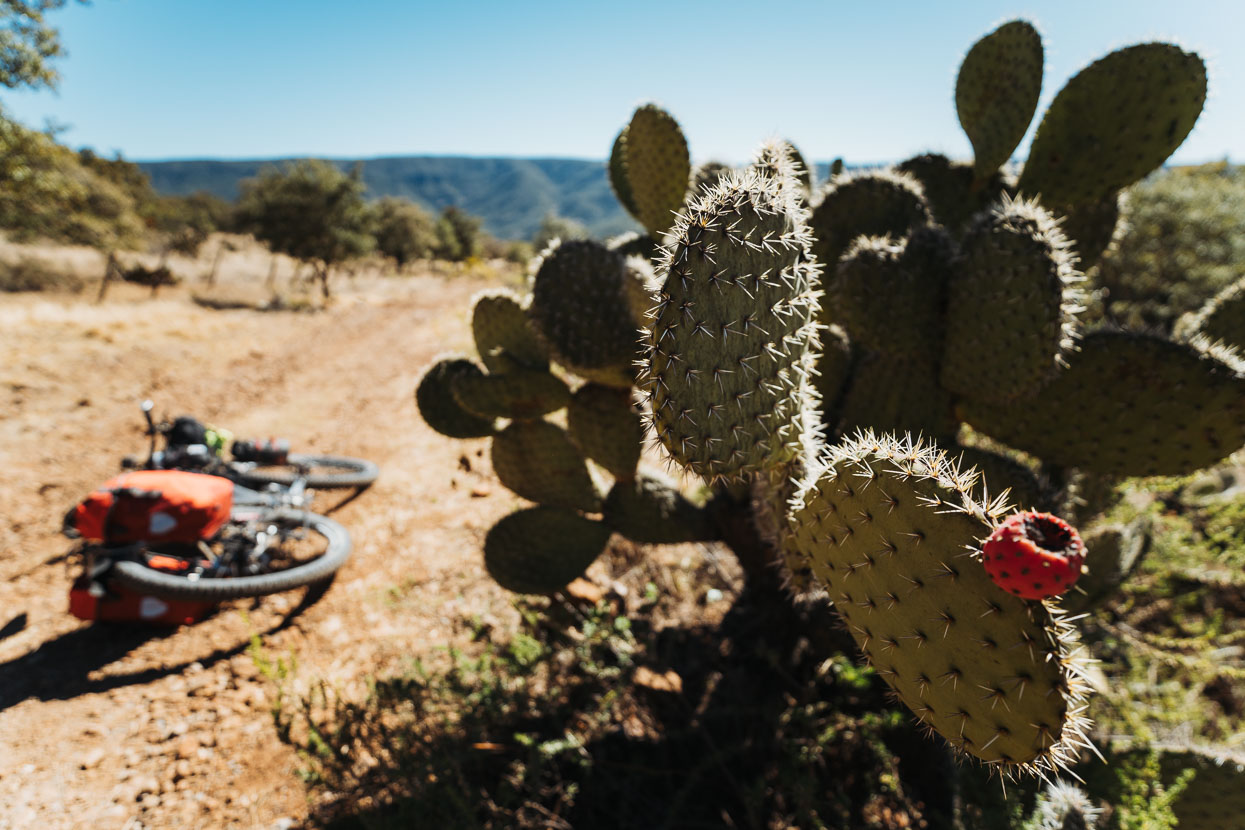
108	726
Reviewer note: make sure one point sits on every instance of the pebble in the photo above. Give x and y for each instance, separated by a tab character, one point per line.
92	758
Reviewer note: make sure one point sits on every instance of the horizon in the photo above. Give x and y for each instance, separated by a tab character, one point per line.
159	82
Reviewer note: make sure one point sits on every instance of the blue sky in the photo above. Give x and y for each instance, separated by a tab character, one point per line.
870	82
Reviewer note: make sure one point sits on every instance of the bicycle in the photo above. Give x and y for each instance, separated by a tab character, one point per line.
190	445
182	532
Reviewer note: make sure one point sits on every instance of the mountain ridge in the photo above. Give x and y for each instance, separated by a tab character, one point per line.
510	194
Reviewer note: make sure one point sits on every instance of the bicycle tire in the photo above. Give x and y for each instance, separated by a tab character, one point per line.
145	580
348	472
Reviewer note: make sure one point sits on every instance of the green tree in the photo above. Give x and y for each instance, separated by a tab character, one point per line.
404	231
27	43
47	192
557	227
309	210
459	235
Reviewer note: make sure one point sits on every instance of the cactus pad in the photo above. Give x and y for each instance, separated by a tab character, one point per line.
582	306
503	336
651	510
949	189
434	395
897	393
1010	305
1114	122
537	461
887	294
870	204
657	166
996	92
607	428
1090	228
998	473
1131	405
733	339
618	173
1222	318
892	531
518	393
541	549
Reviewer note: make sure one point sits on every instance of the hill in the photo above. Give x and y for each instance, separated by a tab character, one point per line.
511	195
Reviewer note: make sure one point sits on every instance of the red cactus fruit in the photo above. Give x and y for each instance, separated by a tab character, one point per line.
1034	555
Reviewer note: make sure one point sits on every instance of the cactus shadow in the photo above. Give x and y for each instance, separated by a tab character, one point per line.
735	746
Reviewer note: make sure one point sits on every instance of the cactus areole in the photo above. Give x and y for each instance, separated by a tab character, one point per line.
1034	555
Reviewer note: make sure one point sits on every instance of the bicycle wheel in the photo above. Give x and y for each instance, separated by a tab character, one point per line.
303	567
321	471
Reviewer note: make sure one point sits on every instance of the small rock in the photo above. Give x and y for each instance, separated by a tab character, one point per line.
480	491
668	681
92	758
584	591
188	746
183	769
147	784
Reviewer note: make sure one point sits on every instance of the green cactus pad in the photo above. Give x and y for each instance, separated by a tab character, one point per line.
657	165
1112	554
782	159
771	497
1128	404
1011	305
523	394
870	204
891	529
996	93
537	460
542	549
1090	228
897	393
583	298
618	173
734	336
434	395
707	175
949	188
834	369
650	510
1114	122
888	294
1222	318
607	428
1213	799
998	473
504	338
633	243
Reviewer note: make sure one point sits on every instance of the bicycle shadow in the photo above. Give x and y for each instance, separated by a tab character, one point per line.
61	668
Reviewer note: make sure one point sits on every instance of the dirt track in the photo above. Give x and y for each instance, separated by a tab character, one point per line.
110	726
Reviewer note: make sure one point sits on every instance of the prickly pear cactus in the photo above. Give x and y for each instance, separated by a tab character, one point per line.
733	336
892	530
996	92
782	329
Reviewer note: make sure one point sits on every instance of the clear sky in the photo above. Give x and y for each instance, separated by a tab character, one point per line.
159	79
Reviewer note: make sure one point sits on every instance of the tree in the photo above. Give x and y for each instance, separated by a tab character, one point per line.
458	235
404	231
557	227
311	211
27	43
46	191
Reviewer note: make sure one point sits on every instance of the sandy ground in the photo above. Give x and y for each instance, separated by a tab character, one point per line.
109	726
